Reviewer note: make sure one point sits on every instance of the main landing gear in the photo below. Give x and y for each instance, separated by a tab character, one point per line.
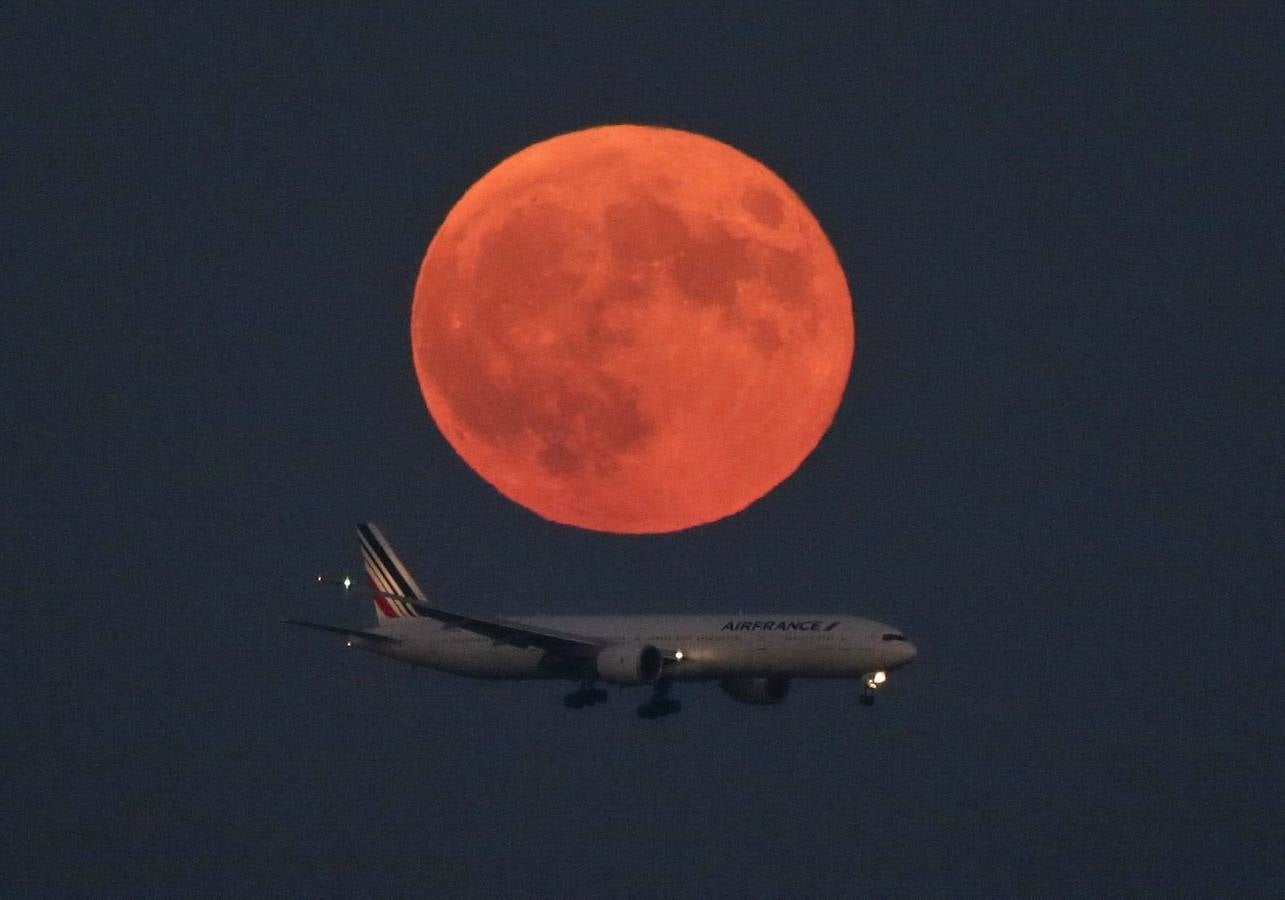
587	695
660	704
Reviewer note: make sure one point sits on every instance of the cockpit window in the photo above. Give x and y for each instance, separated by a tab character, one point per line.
893	636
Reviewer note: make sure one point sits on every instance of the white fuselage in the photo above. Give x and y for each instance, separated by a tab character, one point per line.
712	646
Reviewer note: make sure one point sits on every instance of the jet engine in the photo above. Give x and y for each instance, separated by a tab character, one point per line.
629	664
757	690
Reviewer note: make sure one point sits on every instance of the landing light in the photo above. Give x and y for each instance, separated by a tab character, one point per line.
347	582
678	654
880	677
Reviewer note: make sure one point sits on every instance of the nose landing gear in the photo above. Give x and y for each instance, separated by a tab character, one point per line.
872	682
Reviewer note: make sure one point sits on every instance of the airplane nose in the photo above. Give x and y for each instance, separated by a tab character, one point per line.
909	652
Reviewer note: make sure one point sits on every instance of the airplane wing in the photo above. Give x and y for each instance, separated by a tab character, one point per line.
521	634
517	634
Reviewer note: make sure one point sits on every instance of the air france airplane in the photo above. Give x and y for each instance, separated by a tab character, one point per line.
753	657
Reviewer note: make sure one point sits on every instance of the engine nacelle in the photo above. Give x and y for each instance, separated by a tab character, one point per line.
757	690
629	664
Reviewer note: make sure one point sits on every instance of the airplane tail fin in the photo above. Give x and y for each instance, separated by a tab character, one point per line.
387	576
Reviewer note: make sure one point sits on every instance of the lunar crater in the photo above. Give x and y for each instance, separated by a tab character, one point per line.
591	427
764	205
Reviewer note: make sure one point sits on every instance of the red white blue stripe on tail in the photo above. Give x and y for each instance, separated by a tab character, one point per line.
387	576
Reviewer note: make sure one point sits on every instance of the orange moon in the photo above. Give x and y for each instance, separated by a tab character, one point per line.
632	329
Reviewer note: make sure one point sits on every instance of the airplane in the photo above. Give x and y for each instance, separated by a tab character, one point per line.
753	657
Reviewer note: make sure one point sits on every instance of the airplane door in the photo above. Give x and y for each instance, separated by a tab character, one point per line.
762	653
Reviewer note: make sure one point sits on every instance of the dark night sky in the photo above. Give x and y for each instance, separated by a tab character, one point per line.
1057	466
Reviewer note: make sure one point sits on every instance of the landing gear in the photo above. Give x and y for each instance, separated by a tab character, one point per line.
657	708
587	695
872	682
660	704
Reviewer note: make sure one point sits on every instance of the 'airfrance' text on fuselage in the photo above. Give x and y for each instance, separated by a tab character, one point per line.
771	625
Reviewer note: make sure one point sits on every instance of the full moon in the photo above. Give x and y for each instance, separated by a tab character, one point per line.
632	329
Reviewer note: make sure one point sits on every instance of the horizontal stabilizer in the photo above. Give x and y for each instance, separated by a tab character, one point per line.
347	632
